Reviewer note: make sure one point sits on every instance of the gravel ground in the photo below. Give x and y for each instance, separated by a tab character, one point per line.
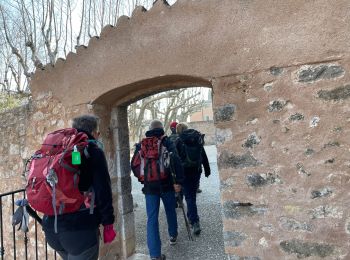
209	245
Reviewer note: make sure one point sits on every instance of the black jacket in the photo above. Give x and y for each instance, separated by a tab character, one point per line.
166	185
193	170
93	173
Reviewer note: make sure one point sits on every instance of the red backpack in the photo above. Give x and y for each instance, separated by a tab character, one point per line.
52	186
151	160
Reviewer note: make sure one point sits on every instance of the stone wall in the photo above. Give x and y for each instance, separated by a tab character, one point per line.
13	149
280	77
207	128
283	157
22	132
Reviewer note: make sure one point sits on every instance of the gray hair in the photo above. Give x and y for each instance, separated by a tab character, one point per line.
155	124
87	123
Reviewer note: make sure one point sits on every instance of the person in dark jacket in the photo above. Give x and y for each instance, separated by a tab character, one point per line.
192	179
161	189
173	136
77	234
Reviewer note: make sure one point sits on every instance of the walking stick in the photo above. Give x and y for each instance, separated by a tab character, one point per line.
180	202
181	205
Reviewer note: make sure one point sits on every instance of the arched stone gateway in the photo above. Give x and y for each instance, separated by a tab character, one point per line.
279	73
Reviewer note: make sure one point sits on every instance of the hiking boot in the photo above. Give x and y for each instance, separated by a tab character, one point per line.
196	228
172	240
162	257
199	190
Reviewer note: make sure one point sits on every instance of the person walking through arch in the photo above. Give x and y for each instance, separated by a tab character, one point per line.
151	165
193	156
173	136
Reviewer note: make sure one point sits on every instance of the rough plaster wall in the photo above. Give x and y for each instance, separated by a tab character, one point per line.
283	146
198	38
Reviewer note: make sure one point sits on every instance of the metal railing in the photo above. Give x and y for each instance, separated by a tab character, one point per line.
10	246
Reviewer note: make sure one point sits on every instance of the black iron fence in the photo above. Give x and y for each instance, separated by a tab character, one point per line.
16	244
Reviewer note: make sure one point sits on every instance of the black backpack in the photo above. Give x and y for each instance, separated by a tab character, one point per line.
173	138
193	142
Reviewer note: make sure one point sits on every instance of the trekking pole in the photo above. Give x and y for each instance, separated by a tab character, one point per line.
180	202
181	205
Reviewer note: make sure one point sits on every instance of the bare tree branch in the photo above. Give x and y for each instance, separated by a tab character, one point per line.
81	24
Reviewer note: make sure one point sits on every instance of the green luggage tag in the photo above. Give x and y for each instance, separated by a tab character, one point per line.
76	158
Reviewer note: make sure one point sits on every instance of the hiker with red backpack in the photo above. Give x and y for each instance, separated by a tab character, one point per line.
68	181
151	165
193	156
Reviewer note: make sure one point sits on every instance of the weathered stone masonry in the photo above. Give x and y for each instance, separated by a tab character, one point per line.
292	168
280	77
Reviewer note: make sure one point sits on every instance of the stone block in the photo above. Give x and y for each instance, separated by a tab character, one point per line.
127	228
276	105
125	204
275	71
252	141
124	185
224	113
296	117
258	180
227	160
223	135
301	170
340	93
314	121
128	247
235	210
311	73
326	211
309	151
234	238
291	224
304	249
325	192
122	164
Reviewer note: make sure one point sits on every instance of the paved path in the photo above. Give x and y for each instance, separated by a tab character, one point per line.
209	245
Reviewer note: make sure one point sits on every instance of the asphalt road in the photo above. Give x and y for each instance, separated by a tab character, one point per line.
209	245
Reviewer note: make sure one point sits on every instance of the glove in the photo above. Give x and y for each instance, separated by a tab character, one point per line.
108	234
207	174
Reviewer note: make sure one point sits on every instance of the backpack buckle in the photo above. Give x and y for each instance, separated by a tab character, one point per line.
52	178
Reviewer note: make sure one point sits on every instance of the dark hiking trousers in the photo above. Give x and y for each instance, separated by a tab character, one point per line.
75	245
190	187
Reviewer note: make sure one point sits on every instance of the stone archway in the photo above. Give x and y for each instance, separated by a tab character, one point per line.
112	103
279	72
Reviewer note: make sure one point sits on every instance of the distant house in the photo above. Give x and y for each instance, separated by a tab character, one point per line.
205	114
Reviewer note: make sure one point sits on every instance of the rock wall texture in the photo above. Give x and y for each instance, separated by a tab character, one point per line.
22	132
284	161
280	77
13	129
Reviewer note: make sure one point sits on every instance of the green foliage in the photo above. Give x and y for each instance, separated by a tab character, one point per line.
10	100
